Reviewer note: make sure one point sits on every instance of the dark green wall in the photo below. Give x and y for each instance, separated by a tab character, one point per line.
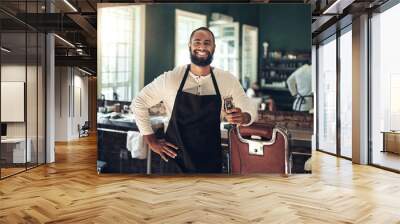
284	26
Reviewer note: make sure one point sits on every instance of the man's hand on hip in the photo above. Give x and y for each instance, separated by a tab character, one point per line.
160	146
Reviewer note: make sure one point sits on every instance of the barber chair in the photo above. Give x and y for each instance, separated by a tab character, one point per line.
259	148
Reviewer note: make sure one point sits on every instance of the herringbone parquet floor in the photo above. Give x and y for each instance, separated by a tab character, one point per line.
70	191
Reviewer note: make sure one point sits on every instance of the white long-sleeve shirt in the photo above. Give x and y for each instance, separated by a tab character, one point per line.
164	88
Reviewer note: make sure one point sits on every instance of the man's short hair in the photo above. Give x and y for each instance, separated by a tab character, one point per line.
205	29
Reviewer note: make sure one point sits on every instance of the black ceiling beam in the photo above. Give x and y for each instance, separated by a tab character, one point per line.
49	22
91	5
83	61
7	24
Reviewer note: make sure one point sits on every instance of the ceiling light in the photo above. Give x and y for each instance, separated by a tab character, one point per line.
65	41
84	71
5	49
70	5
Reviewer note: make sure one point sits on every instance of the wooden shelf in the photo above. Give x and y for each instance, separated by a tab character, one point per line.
275	88
305	60
280	69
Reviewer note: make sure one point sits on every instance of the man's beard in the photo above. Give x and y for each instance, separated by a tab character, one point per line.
202	62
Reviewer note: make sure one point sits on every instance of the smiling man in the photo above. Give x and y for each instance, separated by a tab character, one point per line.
193	96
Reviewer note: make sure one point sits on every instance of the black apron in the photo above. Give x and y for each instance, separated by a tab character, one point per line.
195	128
300	101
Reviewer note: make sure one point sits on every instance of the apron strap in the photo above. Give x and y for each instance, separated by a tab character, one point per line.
212	77
301	100
184	78
215	83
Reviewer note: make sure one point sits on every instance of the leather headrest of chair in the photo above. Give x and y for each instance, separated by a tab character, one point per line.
258	129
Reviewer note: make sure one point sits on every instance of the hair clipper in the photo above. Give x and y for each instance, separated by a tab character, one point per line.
228	103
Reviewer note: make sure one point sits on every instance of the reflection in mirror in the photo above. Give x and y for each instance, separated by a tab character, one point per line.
261	51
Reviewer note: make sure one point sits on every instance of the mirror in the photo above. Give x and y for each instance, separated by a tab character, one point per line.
121	50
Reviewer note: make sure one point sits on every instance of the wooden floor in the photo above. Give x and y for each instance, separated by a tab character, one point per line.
10	171
70	191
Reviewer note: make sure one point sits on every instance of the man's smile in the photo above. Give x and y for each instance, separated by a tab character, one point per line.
202	53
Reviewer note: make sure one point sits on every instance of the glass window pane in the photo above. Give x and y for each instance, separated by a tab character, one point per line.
385	85
327	97
120	50
346	94
226	54
14	153
32	100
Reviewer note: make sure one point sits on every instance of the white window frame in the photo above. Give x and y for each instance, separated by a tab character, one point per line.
136	81
218	45
247	29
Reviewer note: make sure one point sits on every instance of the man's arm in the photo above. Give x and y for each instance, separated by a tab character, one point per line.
149	96
291	82
245	112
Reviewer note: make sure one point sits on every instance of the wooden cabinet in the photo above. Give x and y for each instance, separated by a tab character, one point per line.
391	141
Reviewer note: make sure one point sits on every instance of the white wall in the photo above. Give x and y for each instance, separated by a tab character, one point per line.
61	103
80	94
71	93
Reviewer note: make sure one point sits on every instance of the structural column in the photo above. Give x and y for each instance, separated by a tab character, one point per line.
360	90
50	92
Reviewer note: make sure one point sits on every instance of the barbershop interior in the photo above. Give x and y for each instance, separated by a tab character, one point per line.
324	71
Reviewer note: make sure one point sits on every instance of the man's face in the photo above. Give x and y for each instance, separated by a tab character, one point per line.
201	48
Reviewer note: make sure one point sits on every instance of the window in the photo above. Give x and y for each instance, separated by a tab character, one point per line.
385	88
226	55
346	94
327	96
121	33
185	23
249	54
